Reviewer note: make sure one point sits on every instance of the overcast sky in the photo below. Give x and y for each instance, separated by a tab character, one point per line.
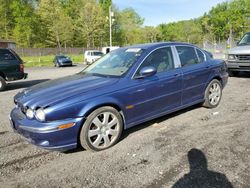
156	12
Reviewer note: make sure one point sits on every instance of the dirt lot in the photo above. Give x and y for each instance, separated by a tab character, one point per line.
214	144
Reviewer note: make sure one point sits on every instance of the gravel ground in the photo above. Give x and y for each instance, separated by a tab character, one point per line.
189	148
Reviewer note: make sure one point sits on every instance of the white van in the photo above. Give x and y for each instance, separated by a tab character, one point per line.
91	56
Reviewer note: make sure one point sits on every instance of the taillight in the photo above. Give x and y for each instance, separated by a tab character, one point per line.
21	67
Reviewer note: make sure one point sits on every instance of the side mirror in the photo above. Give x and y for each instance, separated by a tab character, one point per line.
238	43
147	72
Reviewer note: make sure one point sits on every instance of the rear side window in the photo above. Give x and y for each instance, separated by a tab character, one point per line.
201	56
6	55
161	59
187	55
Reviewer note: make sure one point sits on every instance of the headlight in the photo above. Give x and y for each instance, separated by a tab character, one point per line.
231	57
40	115
30	114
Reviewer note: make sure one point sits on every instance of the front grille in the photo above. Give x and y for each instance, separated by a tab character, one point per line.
243	57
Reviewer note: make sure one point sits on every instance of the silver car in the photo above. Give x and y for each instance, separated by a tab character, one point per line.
239	57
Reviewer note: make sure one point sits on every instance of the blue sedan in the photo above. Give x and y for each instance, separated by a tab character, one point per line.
62	60
124	88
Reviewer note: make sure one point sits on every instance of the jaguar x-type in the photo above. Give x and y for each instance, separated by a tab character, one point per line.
126	87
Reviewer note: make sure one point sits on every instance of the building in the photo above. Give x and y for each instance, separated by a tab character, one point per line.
7	44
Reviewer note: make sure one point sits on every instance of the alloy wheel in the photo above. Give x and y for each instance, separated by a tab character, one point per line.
214	94
104	130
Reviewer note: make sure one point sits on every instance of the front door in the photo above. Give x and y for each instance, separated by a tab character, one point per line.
159	93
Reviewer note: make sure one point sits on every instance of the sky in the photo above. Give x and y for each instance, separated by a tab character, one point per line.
156	12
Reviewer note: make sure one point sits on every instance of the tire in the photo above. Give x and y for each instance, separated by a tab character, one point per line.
2	84
213	94
96	135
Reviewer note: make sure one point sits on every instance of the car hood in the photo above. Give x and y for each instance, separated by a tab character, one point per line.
240	50
55	91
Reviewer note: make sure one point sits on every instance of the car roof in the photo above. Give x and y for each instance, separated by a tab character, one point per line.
157	44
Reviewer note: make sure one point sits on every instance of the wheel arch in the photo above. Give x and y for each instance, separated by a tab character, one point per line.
93	108
89	108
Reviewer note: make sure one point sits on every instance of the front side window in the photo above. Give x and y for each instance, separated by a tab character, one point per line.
115	63
187	55
161	59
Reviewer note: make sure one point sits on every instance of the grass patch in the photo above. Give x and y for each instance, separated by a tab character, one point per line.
41	61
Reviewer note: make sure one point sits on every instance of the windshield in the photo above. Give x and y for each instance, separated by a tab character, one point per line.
97	53
115	63
245	40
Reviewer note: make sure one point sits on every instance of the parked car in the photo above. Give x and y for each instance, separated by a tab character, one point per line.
239	57
62	60
128	86
11	67
91	56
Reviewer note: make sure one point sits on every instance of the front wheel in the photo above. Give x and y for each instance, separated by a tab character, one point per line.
102	129
213	94
2	84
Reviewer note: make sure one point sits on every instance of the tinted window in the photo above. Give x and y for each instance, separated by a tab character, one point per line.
187	55
6	55
201	56
97	53
161	59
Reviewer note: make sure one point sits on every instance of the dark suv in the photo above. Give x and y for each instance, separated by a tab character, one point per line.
11	67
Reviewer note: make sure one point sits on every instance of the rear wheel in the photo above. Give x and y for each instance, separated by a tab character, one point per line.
2	84
213	94
102	129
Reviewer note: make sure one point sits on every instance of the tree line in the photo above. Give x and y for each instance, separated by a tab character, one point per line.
85	23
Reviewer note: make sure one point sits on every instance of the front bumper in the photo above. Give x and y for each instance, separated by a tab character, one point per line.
66	63
238	65
46	135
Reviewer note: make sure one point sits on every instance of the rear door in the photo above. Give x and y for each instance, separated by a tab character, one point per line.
195	71
9	64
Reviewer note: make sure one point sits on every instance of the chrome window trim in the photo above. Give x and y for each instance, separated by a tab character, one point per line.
205	57
167	46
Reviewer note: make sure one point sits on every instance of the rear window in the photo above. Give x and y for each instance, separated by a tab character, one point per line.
6	55
97	53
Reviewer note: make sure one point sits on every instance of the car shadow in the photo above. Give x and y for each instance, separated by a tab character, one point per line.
242	75
23	84
199	175
141	126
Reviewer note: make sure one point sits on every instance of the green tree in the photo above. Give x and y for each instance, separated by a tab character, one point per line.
90	23
59	26
6	19
130	24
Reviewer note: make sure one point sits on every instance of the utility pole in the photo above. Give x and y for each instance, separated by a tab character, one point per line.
111	15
